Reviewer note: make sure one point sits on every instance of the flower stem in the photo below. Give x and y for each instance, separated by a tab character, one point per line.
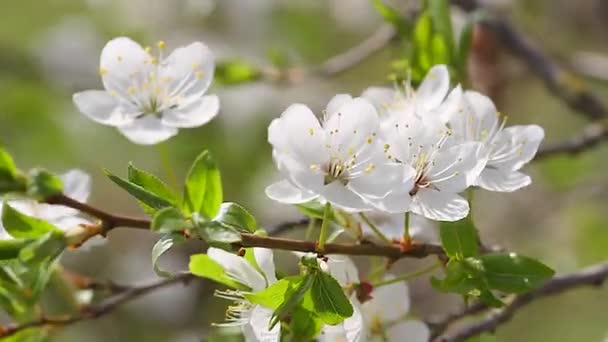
406	228
375	229
166	164
408	276
311	227
324	226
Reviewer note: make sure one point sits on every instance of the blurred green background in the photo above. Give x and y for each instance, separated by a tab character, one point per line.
50	49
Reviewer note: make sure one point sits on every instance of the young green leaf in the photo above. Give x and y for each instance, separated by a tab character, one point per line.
330	302
19	225
459	239
43	184
464	46
162	245
9	249
217	234
169	220
235	216
149	198
47	247
392	16
151	183
236	71
514	273
442	23
203	189
7	165
305	325
273	296
293	298
203	266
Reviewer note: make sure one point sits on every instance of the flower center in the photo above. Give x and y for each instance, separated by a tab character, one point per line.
335	170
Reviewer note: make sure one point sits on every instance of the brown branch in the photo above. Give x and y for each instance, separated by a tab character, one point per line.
590	276
95	311
559	81
439	326
592	135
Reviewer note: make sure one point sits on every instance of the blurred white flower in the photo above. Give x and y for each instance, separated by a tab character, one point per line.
76	184
253	319
508	149
150	97
341	160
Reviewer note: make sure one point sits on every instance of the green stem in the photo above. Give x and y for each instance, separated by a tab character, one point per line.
311	227
406	227
408	276
324	226
166	165
375	229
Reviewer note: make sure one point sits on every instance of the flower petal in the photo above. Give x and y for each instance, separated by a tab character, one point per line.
502	180
457	167
298	132
336	102
338	195
257	328
450	106
343	269
193	114
389	303
351	330
440	206
100	107
524	143
121	59
264	258
238	268
147	130
189	70
352	127
380	97
433	88
285	192
415	331
77	184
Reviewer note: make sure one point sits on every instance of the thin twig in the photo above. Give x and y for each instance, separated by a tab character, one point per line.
592	135
590	276
95	311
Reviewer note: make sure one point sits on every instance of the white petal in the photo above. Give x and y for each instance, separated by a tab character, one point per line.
336	102
193	114
257	328
264	259
433	88
285	192
379	180
525	141
343	269
481	113
351	330
100	107
380	97
338	195
120	59
77	184
348	130
389	302
189	69
299	133
440	206
450	106
410	331
398	200
502	180
238	268
147	130
457	167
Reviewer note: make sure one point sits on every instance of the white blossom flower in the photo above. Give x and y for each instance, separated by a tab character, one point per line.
76	184
386	313
509	149
391	226
341	160
253	319
443	169
430	99
148	98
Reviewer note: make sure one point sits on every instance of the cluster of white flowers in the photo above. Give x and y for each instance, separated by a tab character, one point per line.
383	316
76	184
399	151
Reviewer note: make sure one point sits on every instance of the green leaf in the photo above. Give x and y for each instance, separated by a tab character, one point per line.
442	22
235	71
294	298
151	183
9	249
235	216
169	220
305	325
47	247
330	302
273	296
459	239
464	46
203	266
43	184
7	165
162	245
421	40
514	273
19	225
203	189
392	16
217	234
147	197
